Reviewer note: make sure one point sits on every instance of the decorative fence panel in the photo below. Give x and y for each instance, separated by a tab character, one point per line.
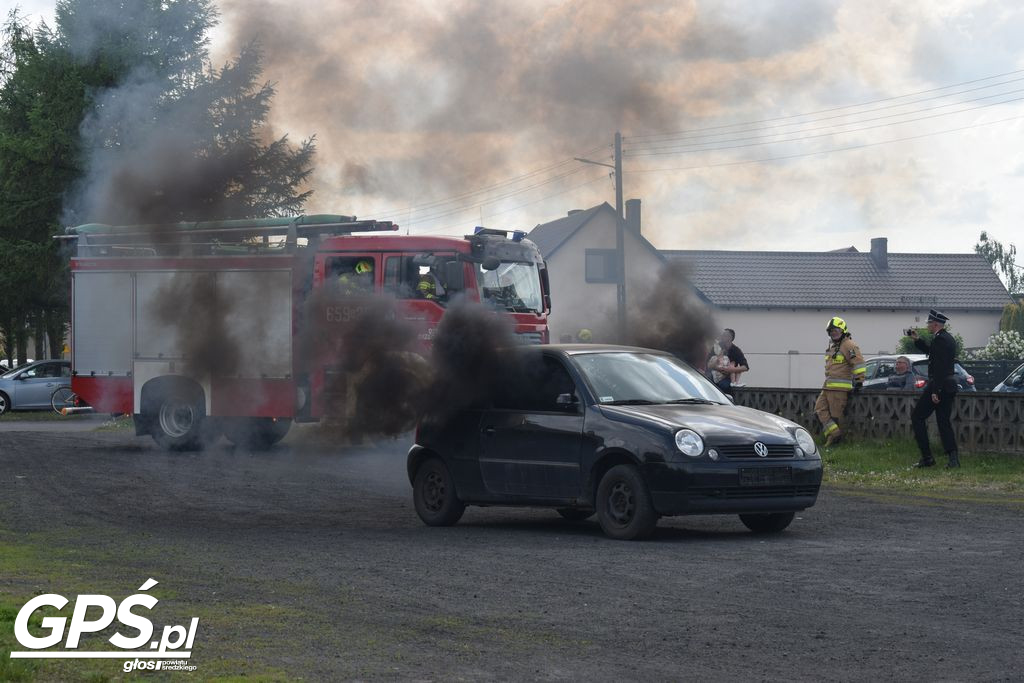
983	421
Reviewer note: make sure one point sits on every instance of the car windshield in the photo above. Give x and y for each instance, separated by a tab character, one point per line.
645	378
513	287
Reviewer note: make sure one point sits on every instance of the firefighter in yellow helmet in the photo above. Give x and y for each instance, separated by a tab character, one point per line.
359	281
844	372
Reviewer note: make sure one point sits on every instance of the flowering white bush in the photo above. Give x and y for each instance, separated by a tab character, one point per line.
1006	345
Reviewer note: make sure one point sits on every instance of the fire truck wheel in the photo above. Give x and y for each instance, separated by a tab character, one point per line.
256	433
433	494
179	422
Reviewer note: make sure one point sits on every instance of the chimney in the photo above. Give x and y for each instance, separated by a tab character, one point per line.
573	212
880	252
633	214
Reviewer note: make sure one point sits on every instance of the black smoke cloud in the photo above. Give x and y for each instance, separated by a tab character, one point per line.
671	317
437	98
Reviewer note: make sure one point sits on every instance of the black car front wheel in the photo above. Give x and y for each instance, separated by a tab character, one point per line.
433	494
767	523
623	504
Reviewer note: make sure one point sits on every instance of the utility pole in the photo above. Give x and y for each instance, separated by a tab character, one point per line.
620	238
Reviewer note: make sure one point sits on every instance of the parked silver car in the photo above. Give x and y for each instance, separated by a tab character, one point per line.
1014	382
30	386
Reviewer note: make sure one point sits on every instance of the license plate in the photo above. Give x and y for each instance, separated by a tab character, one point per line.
765	476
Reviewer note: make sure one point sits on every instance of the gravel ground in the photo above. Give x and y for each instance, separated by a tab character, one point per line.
309	561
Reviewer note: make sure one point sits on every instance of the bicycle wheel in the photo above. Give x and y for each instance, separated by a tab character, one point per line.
63	397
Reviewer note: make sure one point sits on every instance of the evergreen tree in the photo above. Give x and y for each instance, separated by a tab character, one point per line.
116	115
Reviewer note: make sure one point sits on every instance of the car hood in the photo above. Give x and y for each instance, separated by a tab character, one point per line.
715	423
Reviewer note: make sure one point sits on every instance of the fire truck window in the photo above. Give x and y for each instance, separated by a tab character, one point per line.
407	280
351	276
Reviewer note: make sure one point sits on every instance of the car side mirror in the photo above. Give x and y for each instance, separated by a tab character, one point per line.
566	401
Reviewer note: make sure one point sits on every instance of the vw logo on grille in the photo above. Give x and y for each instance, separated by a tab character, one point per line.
760	449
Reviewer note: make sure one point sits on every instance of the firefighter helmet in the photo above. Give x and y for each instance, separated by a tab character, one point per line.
837	323
364	266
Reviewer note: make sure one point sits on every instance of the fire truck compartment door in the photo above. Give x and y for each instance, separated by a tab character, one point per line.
101	341
243	316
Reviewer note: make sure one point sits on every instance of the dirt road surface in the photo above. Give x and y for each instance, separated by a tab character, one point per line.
309	562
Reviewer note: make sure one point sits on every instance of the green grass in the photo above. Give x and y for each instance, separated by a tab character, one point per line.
888	466
37	415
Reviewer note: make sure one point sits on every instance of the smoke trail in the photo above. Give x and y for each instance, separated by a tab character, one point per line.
670	316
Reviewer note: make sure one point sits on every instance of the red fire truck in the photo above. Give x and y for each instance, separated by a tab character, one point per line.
149	302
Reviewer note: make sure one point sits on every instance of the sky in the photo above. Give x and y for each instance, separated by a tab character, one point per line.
789	125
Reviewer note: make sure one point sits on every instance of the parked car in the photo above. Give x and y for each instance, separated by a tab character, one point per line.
629	434
1013	383
30	386
880	368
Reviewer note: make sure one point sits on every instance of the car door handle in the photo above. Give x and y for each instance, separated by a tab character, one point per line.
489	431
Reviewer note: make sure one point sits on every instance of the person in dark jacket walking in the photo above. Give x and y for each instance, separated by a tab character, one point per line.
939	393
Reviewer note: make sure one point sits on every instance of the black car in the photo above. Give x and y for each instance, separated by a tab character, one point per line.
629	434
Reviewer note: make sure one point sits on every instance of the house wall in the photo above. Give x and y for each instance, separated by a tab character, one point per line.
767	336
578	304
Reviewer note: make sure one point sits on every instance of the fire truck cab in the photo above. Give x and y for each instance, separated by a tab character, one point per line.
197	329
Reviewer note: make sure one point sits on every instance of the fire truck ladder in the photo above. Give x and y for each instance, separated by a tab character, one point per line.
215	237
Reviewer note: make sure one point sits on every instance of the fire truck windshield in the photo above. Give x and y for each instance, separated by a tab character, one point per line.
512	286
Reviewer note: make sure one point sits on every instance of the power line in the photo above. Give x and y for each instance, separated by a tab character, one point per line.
523	205
482	190
506	195
686	150
825	111
664	144
826	151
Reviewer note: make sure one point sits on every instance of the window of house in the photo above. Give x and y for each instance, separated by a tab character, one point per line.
601	265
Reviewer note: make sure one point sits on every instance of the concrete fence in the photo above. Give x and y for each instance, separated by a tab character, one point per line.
983	421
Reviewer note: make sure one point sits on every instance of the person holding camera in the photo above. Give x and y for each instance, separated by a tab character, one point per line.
939	393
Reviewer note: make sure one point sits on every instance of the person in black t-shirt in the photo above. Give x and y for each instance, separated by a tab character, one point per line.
730	363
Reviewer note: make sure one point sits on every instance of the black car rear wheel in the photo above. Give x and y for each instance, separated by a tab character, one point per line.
624	505
575	514
433	494
767	523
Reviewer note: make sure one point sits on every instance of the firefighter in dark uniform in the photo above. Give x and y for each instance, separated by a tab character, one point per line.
939	393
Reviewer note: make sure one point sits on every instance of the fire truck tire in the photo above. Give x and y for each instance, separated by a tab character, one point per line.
256	433
433	494
178	422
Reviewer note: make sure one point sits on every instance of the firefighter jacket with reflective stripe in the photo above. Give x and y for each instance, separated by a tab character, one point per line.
844	365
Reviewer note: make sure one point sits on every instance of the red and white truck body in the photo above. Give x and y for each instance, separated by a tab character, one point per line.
143	295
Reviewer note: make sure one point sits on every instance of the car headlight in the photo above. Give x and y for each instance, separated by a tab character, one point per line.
804	441
689	442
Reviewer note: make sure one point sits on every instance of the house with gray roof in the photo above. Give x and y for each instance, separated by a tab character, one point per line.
580	251
780	302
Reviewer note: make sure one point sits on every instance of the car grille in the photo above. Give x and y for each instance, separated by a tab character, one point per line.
787	491
741	451
530	338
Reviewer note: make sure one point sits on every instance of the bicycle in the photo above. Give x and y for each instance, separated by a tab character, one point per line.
63	397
